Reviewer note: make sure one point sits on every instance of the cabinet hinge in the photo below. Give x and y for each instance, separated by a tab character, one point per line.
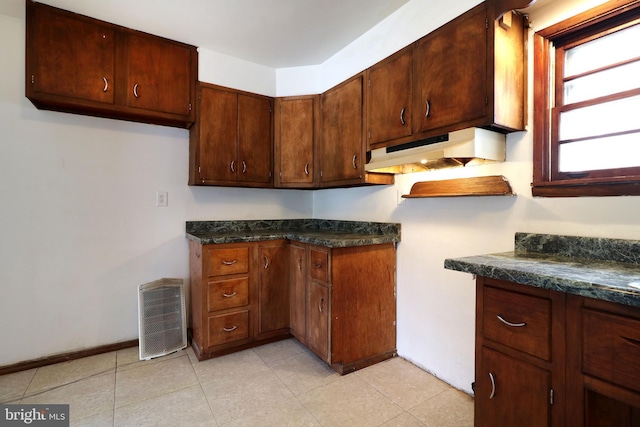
486	23
551	396
199	170
486	100
190	106
33	79
369	134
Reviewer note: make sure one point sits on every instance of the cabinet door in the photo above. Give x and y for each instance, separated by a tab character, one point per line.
342	146
295	141
273	288
298	290
318	306
218	152
255	140
451	73
159	77
390	98
511	392
69	56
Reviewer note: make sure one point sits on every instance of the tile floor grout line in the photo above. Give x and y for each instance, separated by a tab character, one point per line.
26	396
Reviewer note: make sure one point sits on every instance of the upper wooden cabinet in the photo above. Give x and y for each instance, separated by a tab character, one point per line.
467	73
297	133
231	143
389	106
82	65
342	150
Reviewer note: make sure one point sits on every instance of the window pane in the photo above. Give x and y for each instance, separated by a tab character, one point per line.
604	153
607	50
605	82
609	117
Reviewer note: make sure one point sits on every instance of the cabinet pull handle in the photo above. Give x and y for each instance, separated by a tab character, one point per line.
135	90
306	168
233	166
300	264
244	167
493	386
513	325
320	304
402	117
631	341
230	329
428	107
229	295
266	262
229	262
106	84
316	265
353	161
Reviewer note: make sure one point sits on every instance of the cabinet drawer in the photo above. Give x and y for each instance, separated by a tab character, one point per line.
611	348
520	321
228	327
229	293
319	265
224	261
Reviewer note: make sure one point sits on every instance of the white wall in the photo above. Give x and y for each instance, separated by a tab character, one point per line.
80	230
436	306
78	223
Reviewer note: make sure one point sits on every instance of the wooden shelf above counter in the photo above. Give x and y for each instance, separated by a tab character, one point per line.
496	185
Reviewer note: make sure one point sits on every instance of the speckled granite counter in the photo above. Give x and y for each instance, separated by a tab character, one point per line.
329	233
606	269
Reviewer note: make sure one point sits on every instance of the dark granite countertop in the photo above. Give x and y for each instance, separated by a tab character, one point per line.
606	269
329	233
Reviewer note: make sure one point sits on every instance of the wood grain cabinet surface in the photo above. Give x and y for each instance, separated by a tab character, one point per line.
231	143
82	65
546	358
339	302
297	135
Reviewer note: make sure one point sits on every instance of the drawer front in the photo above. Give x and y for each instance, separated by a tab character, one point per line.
319	265
229	293
611	348
520	321
223	261
228	327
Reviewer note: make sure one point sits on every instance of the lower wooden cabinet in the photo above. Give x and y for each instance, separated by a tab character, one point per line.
339	302
349	303
545	358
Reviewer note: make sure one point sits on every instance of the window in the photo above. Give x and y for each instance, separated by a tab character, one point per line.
587	104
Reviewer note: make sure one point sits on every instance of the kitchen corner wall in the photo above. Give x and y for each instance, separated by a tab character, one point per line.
78	223
436	307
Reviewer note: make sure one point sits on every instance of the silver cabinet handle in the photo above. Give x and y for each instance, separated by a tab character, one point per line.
320	304
135	90
230	329
266	262
493	385
300	264
402	117
428	107
513	325
233	166
306	168
244	167
229	295
229	262
106	84
353	161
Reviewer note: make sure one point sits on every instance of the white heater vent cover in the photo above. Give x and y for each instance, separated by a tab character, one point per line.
161	318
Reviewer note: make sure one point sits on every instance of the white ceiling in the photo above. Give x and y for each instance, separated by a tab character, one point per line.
274	33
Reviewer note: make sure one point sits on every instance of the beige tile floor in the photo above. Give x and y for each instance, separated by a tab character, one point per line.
278	384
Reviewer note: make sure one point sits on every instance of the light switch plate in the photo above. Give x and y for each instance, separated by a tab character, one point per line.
162	199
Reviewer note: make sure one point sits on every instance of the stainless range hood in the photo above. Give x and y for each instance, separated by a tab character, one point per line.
459	148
